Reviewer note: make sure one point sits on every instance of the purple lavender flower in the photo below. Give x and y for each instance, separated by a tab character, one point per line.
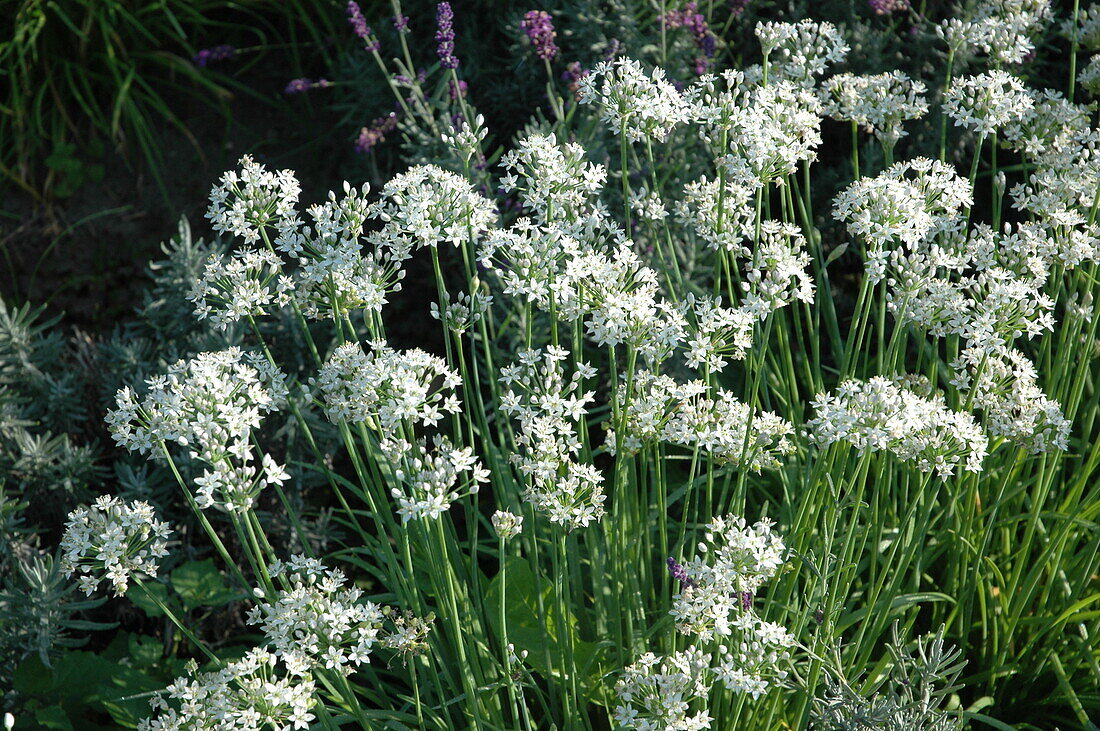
888	7
217	53
572	76
445	35
375	133
301	86
737	7
401	23
690	18
539	27
679	573
612	50
360	28
458	92
746	600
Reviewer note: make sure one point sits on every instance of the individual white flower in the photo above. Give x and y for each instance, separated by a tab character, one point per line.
431	479
987	102
245	202
878	103
903	417
249	694
386	387
113	540
633	103
428	205
507	525
547	406
243	284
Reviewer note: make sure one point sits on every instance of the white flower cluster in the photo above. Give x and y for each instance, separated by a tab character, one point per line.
985	287
240	285
720	214
113	539
633	103
1004	30
432	480
716	604
427	205
507	525
547	406
1052	132
716	333
905	204
660	409
1007	391
800	51
903	417
773	129
658	693
334	276
987	102
385	387
1089	76
553	181
619	295
878	103
776	273
463	313
253	199
250	694
208	405
717	588
1087	29
317	621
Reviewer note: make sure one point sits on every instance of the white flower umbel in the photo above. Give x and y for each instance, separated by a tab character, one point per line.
1004	30
736	560
553	181
715	333
656	399
463	313
776	273
800	51
879	103
632	103
530	261
665	693
881	414
113	540
243	284
385	387
721	215
335	276
775	127
902	206
317	620
209	406
726	428
1015	407
428	205
250	694
987	102
251	199
1053	132
547	406
1089	76
507	525
431	479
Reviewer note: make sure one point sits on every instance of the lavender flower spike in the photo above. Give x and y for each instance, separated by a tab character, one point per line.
445	35
539	27
360	28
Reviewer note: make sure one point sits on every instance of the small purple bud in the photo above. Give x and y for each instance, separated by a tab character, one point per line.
360	28
539	27
445	35
746	600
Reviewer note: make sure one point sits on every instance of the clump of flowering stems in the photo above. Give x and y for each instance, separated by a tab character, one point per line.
661	472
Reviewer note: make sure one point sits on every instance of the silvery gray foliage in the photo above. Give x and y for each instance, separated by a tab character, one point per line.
910	697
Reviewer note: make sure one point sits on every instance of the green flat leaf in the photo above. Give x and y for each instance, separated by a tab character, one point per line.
200	584
141	600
